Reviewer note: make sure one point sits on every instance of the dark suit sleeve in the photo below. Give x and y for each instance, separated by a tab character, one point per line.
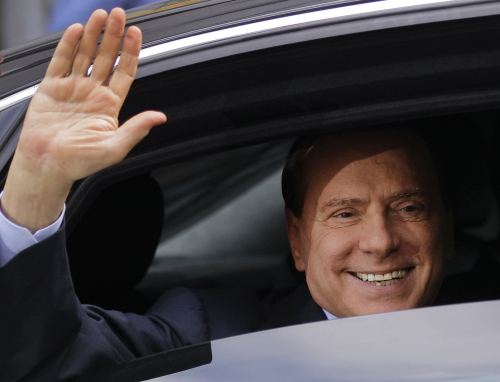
47	335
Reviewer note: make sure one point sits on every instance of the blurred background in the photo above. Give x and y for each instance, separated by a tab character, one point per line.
24	20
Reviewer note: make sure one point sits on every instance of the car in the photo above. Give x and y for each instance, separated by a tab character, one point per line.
197	203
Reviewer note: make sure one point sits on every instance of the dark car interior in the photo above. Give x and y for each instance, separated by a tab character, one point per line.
231	121
217	221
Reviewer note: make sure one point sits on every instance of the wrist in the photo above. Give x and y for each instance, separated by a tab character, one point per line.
34	195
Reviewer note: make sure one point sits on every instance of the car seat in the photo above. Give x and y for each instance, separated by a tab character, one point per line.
113	245
472	275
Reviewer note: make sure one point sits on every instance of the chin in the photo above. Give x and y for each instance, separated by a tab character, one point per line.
382	307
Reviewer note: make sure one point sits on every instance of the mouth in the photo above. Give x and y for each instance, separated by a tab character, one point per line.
385	279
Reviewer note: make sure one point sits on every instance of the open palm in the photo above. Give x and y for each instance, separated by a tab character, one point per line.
71	127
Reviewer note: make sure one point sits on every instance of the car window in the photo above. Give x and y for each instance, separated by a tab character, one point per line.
9	116
223	216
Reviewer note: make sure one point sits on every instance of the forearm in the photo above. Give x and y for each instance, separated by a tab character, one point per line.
33	196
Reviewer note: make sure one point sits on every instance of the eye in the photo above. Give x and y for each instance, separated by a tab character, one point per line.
412	211
344	215
410	208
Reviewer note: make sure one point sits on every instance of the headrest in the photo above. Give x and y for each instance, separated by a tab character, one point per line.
457	142
114	243
472	192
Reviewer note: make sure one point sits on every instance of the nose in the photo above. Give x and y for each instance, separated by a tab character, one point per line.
378	237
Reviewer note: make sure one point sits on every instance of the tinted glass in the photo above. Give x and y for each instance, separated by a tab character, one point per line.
8	116
223	215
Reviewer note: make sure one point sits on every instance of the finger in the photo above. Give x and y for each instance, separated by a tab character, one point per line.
124	74
60	64
110	45
134	130
86	49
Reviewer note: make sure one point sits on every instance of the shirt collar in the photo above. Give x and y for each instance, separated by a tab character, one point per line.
329	316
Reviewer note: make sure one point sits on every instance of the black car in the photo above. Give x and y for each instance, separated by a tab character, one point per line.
197	203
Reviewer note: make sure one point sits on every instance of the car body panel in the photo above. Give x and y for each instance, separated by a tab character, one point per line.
447	343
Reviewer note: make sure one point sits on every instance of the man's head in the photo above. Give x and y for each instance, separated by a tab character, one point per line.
366	205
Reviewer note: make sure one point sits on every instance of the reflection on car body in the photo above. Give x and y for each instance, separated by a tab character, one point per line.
237	87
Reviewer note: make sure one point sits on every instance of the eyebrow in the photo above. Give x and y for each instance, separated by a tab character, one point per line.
336	202
405	194
411	193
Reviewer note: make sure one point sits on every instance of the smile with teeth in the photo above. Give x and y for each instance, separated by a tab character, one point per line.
382	280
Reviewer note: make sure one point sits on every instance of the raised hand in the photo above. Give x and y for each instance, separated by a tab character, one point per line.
71	127
72	123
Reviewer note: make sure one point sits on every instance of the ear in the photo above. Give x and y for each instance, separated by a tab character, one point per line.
294	237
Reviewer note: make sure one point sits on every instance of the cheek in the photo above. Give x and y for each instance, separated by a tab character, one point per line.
424	242
414	239
330	248
433	260
434	241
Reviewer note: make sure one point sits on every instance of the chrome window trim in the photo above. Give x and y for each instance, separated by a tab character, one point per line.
282	22
18	97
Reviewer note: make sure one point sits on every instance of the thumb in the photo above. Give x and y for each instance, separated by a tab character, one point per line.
136	128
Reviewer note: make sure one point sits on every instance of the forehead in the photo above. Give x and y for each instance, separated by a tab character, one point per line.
372	159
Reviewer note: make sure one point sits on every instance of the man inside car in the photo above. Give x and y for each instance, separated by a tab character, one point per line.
366	220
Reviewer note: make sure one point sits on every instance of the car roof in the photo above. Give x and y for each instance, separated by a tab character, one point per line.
205	23
163	20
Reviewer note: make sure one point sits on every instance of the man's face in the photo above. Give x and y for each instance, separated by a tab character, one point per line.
373	210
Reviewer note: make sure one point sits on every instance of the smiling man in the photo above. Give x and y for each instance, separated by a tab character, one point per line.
366	219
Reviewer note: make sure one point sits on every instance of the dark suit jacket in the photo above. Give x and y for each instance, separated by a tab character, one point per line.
47	335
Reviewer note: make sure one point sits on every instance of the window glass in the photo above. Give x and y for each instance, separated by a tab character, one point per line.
224	215
8	116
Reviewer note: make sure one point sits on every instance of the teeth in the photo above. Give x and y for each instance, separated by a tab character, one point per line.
382	280
387	283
